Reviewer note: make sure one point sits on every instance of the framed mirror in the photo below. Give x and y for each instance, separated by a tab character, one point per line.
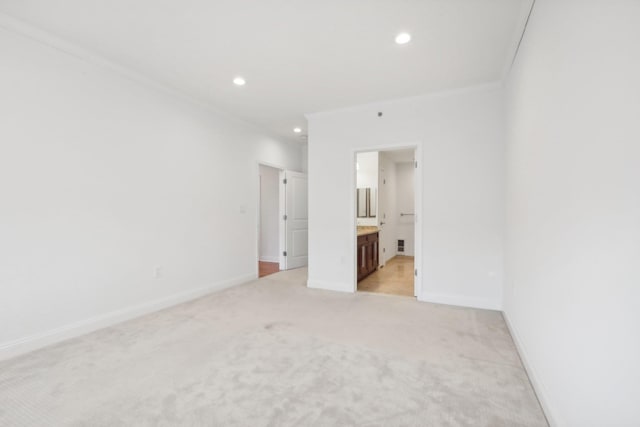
366	202
361	210
373	202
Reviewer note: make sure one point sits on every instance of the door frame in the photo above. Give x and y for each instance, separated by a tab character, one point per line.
418	285
258	217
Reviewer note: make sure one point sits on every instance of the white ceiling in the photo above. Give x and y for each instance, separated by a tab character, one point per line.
297	56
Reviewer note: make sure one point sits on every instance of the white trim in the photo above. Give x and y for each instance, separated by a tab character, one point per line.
516	38
270	165
270	259
38	35
72	330
329	286
461	301
418	252
534	379
282	211
496	84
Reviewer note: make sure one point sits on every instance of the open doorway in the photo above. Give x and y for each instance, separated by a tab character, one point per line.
282	220
386	218
269	221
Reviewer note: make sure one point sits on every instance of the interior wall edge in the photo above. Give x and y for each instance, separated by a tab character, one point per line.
538	387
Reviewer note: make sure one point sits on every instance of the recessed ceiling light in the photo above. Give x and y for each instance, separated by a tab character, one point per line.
403	38
239	81
297	130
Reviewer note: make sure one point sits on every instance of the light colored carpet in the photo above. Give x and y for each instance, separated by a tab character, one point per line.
274	353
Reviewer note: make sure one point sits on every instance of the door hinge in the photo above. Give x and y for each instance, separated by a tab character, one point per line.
415	272
284	253
284	181
284	217
415	164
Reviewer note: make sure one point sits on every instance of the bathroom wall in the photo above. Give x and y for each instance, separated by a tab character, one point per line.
405	225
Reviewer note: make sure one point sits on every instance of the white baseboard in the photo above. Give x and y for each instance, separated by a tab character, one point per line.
390	256
330	286
538	387
482	303
72	330
270	258
405	253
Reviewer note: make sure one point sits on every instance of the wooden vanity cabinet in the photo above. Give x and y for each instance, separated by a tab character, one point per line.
367	255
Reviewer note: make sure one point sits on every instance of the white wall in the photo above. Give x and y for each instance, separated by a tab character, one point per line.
117	198
269	214
367	177
304	155
573	201
461	135
405	225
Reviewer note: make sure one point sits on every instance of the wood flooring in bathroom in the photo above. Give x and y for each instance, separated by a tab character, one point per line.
395	278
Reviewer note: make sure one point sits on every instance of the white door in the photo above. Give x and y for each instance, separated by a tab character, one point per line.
296	219
386	208
382	210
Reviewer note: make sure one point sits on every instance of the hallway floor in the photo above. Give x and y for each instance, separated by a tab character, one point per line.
395	278
267	268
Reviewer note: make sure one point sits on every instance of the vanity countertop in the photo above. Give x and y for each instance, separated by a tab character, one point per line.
364	230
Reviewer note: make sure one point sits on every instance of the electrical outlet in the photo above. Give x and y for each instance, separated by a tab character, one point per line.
157	272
